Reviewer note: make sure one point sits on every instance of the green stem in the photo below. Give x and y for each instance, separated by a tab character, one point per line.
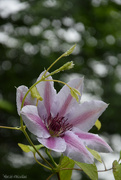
29	140
105	170
31	143
21	122
50	176
6	127
58	82
119	160
51	158
41	163
70	169
82	170
58	176
53	64
104	164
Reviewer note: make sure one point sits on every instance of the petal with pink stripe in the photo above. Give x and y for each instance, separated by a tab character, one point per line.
85	115
76	150
33	122
93	141
47	92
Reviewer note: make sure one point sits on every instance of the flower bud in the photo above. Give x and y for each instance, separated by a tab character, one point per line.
67	53
66	66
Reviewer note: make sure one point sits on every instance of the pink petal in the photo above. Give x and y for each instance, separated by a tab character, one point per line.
93	141
75	148
21	91
33	122
64	101
47	92
85	115
55	143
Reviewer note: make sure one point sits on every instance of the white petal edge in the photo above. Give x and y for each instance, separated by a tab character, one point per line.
21	91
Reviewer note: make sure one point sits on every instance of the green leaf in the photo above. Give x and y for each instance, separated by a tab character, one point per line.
98	124
67	53
66	163
35	94
95	154
74	94
117	170
27	148
89	169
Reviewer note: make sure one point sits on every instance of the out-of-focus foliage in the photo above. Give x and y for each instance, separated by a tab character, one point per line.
32	35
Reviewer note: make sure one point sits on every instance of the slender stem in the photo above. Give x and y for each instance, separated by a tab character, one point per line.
29	140
51	158
58	176
21	122
58	82
41	163
6	127
53	64
50	176
119	160
71	169
63	55
104	164
82	170
105	170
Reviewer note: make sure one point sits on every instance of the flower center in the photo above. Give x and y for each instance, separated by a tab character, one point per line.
57	125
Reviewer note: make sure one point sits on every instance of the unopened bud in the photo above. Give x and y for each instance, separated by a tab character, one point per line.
67	53
66	66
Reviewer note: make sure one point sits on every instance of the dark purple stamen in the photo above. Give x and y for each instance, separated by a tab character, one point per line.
57	125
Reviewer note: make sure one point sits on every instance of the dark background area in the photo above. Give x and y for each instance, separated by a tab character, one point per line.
37	33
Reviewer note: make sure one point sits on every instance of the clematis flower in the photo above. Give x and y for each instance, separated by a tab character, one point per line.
60	123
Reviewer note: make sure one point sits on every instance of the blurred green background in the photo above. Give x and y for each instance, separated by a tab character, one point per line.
32	35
